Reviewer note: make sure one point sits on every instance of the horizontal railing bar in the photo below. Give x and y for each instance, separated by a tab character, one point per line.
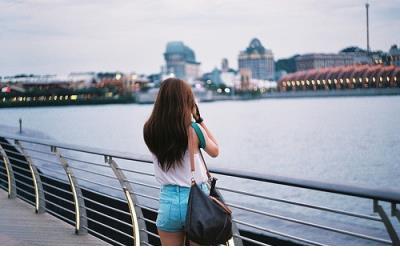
12	152
3	187
59	197
38	151
22	169
278	233
147	244
105	237
148	220
5	143
106	206
303	204
46	160
25	199
336	188
53	171
92	172
61	216
136	172
109	227
351	190
148	208
145	196
83	149
102	193
22	175
98	183
63	208
57	188
311	224
250	240
107	216
24	183
24	191
54	178
85	162
150	233
144	184
18	160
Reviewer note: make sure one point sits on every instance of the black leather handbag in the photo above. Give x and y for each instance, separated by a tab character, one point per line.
208	219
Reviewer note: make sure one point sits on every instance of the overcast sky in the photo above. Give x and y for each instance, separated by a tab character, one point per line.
60	36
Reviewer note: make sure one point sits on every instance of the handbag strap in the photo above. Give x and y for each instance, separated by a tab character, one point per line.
191	147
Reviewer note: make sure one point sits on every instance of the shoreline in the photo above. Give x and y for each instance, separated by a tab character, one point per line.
370	92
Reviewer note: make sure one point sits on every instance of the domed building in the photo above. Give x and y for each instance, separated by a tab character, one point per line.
258	61
181	61
343	77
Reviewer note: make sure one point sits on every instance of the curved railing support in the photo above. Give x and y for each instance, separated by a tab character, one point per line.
388	225
79	202
40	202
12	189
138	224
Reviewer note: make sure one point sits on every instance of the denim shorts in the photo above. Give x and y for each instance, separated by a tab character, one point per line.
173	206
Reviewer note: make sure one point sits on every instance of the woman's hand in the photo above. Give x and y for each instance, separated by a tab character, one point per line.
196	114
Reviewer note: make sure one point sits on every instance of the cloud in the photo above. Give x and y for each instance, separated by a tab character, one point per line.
59	36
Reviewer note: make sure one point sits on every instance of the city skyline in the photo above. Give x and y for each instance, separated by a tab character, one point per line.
46	36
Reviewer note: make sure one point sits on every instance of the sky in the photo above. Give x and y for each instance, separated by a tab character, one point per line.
63	36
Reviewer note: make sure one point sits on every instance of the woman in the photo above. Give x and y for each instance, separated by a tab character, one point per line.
166	134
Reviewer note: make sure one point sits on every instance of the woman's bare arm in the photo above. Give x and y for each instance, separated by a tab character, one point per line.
211	143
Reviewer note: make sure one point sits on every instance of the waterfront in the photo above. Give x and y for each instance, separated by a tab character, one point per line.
337	139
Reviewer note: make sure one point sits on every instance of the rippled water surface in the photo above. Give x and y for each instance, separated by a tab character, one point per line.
343	140
337	139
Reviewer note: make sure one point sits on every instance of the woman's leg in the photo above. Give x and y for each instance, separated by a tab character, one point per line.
171	238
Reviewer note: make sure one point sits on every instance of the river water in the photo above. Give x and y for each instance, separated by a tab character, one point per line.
352	140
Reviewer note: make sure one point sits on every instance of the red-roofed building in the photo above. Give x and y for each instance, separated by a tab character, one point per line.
343	77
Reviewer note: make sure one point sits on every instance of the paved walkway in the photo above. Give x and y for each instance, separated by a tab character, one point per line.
21	226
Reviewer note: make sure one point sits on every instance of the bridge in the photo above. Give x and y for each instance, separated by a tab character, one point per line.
53	193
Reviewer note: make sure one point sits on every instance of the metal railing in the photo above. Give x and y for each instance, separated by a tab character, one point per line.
113	195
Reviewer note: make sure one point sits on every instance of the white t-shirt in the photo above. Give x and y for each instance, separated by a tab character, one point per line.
181	175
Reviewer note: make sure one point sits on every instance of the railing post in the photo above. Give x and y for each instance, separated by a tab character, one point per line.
40	204
395	211
79	202
12	189
388	225
138	224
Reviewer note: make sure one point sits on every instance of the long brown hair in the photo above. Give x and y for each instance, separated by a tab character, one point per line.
166	131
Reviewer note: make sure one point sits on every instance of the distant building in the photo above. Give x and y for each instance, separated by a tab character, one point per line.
394	54
342	77
224	65
257	61
181	61
82	80
360	56
319	60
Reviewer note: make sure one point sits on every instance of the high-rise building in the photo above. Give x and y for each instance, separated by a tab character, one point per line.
181	61
318	60
257	60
